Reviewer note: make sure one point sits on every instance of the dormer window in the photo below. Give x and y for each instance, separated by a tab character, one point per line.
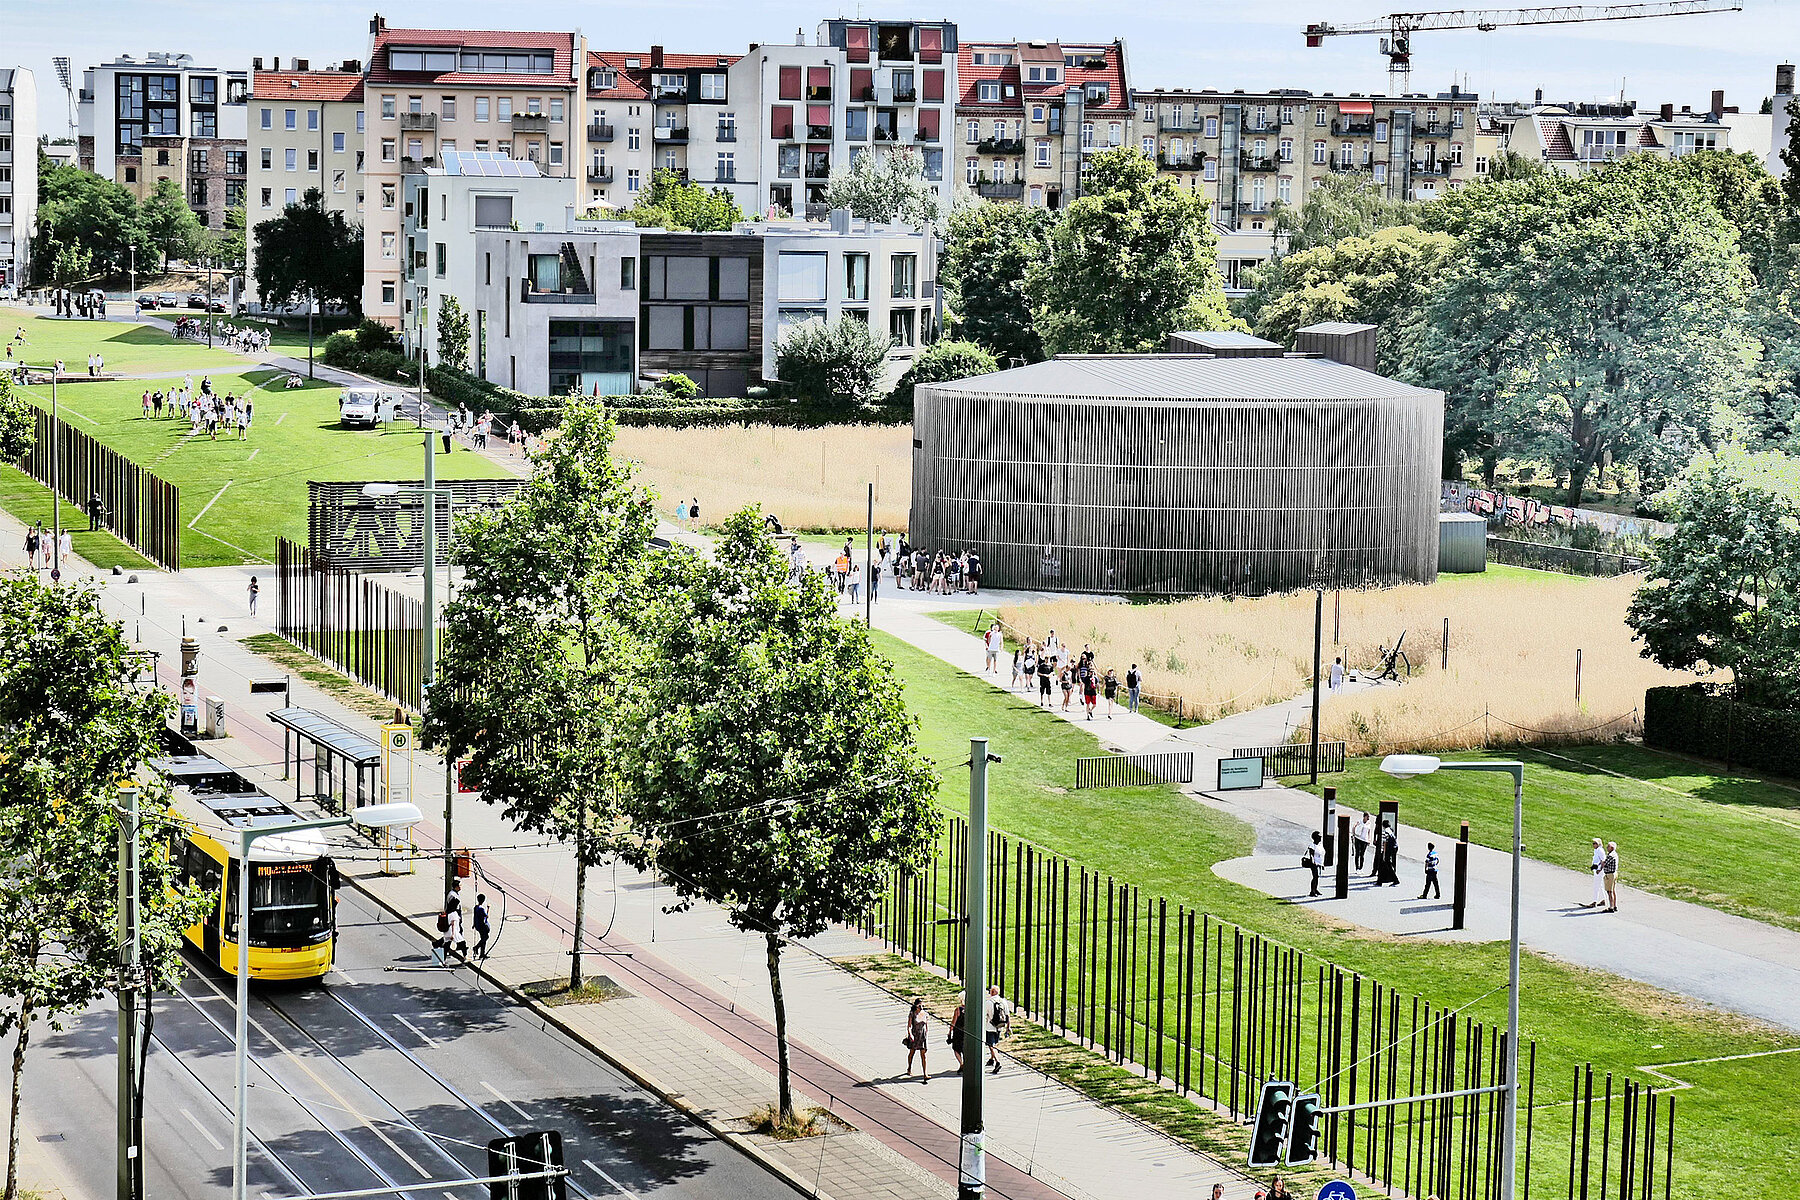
988	90
1097	93
602	79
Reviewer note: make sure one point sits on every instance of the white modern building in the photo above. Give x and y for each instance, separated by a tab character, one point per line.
18	176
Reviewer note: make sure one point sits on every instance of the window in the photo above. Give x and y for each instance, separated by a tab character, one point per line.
856	276
448	108
1259	194
1210	171
415	148
130	172
293	157
359	120
1037	113
443	261
1319	116
312	160
387	149
293	196
988	90
534	106
631	180
1380	173
856	124
268	197
268	118
387	291
1346	154
503	108
1115	133
556	110
268	157
359	202
387	197
1481	164
287	118
1319	153
972	171
492	212
234	161
633	138
1456	118
901	325
1212	127
337	143
387	109
1456	154
1087	134
972	133
1287	149
906	276
712	86
1284	189
1148	146
312	120
727	167
1042	157
388	242
799	276
481	108
337	180
627	274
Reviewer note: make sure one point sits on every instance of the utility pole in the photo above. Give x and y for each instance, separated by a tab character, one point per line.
1318	653
430	649
972	1177
312	304
132	250
130	1169
869	570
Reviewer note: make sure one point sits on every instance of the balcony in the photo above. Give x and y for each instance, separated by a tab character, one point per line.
419	120
818	166
1181	162
1000	146
1357	127
600	132
865	94
1345	166
819	95
906	95
600	174
818	212
670	95
818	133
725	135
530	123
993	189
1259	162
416	166
1171	126
1254	126
1440	168
885	135
727	177
530	295
1431	129
672	135
925	135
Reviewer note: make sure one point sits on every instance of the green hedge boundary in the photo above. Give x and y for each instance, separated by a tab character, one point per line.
1694	720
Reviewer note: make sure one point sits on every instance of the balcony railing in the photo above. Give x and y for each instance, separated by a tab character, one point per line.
530	295
1255	126
818	133
885	135
925	135
670	95
906	95
1173	126
1000	146
727	177
1441	167
1360	127
600	174
1259	162
419	120
599	131
1181	162
991	189
819	95
672	135
530	123
866	93
725	135
1431	129
1343	166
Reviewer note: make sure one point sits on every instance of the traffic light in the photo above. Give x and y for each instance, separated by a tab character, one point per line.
1303	1142
1273	1114
527	1154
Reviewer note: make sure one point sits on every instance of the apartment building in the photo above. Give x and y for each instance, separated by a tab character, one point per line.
603	306
306	131
166	117
1575	139
18	176
1247	151
428	91
1030	114
653	111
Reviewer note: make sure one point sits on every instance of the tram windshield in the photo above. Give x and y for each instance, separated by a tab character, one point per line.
290	902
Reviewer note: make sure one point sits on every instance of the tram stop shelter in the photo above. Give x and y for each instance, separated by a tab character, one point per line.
346	766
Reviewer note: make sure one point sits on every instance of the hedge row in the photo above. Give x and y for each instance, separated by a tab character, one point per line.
342	350
1694	720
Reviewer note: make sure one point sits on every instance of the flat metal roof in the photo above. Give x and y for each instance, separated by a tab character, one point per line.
322	730
1161	377
1335	327
1225	339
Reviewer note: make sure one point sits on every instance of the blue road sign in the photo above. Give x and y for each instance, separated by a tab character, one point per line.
1337	1189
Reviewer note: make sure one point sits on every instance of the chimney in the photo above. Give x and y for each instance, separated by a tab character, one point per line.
1668	112
1540	96
656	58
256	64
799	35
377	23
840	220
1718	102
303	64
353	65
1784	79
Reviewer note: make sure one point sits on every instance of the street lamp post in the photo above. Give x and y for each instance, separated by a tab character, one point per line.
1406	766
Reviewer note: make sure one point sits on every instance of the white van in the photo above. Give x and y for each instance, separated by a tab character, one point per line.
359	407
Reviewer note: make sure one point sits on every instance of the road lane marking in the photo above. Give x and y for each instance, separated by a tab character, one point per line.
423	1036
203	1130
495	1093
623	1190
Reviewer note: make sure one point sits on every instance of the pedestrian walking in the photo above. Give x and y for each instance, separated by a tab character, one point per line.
452	940
1090	690
253	589
478	920
1432	889
1110	685
1134	682
999	1022
1065	677
959	1032
1609	867
994	641
1359	840
917	1038
1599	897
66	548
1046	667
1313	859
1387	858
1337	675
31	546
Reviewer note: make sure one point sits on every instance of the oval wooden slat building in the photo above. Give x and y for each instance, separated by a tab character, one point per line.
1180	474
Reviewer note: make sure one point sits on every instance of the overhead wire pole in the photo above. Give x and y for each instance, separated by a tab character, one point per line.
129	1172
972	1172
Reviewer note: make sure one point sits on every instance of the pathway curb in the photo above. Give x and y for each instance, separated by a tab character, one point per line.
630	1069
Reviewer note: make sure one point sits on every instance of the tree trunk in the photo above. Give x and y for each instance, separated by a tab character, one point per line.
784	1087
18	1075
581	837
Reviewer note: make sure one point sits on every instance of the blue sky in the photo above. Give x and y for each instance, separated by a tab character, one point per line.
1171	43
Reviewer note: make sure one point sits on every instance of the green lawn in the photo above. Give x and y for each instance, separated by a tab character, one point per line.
1683	832
237	496
128	348
29	500
1166	843
286	339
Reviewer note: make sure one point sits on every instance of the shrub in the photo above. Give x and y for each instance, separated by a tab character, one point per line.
836	363
940	363
1696	720
679	386
373	335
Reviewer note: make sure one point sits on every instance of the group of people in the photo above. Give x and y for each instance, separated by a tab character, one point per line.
1039	665
96	364
941	572
45	551
478	427
996	1022
65	303
250	341
205	410
1606	877
451	937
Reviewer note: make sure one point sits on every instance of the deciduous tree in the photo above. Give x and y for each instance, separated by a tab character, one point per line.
773	769
1131	260
18	422
989	251
453	334
939	362
171	226
888	186
86	225
1336	207
538	642
306	252
674	203
836	363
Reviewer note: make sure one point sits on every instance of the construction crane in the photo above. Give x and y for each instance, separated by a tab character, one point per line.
1396	29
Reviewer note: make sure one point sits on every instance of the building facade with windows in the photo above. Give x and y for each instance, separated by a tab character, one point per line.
18	176
1575	139
429	91
165	117
605	307
306	132
1030	114
655	111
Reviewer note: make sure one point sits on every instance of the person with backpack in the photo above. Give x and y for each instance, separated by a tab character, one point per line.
1133	682
1314	859
999	1024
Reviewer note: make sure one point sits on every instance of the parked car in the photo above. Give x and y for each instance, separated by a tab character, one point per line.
217	305
359	406
169	299
197	301
146	300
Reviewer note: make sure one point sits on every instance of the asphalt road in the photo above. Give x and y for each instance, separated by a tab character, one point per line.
392	1071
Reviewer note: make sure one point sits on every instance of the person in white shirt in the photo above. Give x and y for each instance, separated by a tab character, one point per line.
1337	675
1599	897
994	641
1360	837
999	1021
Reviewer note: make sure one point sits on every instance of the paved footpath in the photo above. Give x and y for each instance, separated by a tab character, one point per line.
697	1023
1742	965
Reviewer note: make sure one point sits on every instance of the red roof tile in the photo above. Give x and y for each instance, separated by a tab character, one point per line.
1112	74
562	44
1555	137
306	85
968	75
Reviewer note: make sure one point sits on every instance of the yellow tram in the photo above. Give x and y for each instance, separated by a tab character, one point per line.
293	881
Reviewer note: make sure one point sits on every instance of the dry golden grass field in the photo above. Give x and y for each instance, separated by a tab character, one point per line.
1511	674
812	479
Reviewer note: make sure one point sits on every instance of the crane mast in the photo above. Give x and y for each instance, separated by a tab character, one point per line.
1396	29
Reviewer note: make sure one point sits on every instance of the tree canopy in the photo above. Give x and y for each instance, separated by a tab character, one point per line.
453	330
840	362
1131	260
675	204
170	225
86	225
887	186
307	251
1336	207
939	362
990	250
